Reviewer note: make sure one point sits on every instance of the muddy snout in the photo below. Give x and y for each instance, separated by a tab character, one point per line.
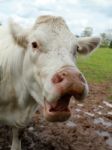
67	83
70	81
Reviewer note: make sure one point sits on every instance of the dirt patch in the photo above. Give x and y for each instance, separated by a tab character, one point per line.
89	128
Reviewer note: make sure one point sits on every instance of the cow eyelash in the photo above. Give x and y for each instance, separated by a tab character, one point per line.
34	45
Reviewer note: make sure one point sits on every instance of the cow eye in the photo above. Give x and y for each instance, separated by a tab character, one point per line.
77	48
34	45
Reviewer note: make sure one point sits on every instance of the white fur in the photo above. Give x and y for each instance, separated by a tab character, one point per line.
27	72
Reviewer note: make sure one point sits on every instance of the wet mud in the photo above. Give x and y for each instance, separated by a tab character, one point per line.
89	128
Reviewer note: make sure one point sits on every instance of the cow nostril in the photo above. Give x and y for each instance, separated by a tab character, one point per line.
57	79
64	74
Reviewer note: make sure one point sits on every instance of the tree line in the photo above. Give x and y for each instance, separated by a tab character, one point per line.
106	37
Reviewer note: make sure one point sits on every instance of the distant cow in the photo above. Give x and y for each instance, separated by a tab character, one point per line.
37	66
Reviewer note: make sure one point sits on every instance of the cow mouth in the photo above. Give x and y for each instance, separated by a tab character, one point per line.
58	110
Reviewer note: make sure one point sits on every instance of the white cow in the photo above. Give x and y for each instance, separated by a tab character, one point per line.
37	66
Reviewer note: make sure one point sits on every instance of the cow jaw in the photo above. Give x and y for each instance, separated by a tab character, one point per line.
57	110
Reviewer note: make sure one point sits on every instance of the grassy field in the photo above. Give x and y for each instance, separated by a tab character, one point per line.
97	67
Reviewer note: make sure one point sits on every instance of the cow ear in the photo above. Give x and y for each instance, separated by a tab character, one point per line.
88	44
18	33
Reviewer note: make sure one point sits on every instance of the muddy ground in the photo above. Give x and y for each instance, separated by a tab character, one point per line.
89	128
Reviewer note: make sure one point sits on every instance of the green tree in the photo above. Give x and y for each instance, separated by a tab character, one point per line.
104	42
110	45
87	32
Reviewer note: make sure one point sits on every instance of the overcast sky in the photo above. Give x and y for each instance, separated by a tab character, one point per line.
77	13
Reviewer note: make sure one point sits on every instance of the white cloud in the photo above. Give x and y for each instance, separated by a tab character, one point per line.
77	13
43	2
73	2
102	2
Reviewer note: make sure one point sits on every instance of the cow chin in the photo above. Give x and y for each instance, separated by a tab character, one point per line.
59	110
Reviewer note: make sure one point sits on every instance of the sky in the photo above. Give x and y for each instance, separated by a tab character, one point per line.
77	13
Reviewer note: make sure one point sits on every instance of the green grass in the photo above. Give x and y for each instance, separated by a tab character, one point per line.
97	67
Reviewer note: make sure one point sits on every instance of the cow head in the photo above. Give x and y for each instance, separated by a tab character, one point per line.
51	74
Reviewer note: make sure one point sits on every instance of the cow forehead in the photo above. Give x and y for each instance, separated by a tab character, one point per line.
56	40
52	29
53	21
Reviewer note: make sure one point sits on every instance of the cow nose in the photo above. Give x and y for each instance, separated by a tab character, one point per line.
69	81
70	74
59	77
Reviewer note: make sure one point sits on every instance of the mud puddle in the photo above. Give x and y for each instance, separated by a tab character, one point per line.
107	136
